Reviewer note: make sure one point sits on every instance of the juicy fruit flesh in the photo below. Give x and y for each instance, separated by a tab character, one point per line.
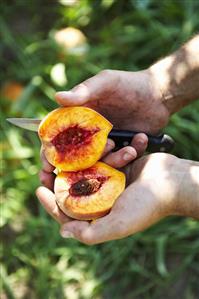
86	186
72	137
90	193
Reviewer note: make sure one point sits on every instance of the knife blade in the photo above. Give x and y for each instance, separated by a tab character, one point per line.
31	124
159	143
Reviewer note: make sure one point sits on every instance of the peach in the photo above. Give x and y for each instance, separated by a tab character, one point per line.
74	138
12	90
90	193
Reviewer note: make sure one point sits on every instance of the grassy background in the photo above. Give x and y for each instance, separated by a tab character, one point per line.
161	262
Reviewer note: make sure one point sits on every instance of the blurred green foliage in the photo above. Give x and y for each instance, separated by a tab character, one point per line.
128	35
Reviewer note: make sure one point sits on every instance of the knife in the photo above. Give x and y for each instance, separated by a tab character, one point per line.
159	143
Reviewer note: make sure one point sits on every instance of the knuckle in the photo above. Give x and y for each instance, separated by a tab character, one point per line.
80	86
41	177
89	242
86	239
42	156
42	181
54	212
85	86
106	72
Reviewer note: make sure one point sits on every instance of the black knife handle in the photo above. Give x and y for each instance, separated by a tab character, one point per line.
160	143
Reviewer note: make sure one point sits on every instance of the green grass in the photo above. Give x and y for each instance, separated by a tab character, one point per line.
161	262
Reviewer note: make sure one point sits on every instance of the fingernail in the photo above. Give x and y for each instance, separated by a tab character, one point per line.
67	234
127	157
63	93
110	143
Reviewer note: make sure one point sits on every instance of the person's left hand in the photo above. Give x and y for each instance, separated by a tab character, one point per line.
149	197
115	159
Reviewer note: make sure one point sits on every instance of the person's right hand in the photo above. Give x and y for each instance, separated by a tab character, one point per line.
130	100
154	185
158	185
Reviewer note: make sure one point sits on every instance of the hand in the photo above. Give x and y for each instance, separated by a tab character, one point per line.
116	159
130	100
150	196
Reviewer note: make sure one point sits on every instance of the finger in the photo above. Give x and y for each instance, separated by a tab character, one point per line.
47	199
91	89
140	143
45	164
121	158
47	179
109	147
98	231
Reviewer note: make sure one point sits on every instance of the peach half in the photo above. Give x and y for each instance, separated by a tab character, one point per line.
74	138
90	193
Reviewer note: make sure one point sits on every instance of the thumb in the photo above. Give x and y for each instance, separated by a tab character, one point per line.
91	89
98	231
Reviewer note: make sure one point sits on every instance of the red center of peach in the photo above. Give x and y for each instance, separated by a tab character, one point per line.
72	137
86	186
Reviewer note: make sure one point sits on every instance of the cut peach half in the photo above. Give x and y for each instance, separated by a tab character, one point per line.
90	193
74	138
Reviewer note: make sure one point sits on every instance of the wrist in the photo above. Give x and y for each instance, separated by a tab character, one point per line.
156	111
160	77
185	176
177	76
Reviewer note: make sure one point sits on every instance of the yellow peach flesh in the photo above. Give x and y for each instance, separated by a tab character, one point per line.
78	157
94	205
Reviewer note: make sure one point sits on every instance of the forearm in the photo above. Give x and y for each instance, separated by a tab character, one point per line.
178	76
186	202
